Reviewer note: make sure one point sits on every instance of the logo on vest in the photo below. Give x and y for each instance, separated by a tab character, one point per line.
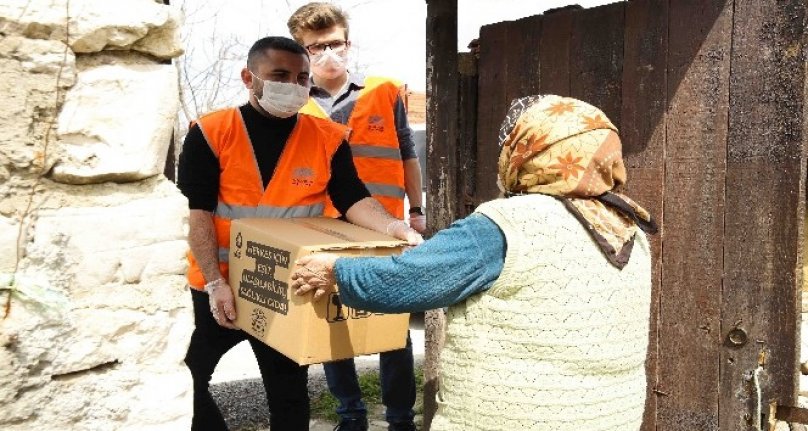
376	123
303	177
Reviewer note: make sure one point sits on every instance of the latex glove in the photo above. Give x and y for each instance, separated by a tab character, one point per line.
314	272
418	222
402	231
222	304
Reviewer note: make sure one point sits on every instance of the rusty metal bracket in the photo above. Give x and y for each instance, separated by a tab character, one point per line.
791	415
797	415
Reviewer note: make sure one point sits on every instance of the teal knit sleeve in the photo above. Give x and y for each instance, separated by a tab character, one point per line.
457	262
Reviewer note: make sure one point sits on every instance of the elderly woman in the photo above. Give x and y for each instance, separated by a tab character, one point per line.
548	289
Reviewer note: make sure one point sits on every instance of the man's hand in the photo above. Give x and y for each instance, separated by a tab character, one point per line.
314	272
418	222
222	305
369	213
402	231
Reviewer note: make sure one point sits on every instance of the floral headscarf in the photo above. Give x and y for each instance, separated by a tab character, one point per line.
569	149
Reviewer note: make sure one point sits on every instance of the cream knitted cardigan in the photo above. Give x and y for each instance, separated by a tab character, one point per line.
560	339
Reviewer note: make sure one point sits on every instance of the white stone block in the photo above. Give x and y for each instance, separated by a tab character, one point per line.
101	320
116	123
168	402
9	229
96	25
122	244
164	41
111	357
36	56
31	74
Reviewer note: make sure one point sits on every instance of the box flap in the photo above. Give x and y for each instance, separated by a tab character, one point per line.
321	233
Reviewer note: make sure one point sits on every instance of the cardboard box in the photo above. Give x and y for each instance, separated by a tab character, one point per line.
262	258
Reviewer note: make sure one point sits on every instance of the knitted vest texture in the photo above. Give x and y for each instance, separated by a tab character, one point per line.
559	341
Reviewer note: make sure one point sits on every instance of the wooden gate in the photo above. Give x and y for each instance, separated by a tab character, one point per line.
709	96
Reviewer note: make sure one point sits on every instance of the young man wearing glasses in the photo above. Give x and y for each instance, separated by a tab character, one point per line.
384	155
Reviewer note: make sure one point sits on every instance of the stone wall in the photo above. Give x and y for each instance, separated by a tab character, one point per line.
92	236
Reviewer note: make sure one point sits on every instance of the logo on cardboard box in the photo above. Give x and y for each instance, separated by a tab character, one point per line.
239	242
258	321
260	286
338	312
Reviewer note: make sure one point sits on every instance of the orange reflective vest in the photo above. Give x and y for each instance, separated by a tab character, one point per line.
374	143
296	189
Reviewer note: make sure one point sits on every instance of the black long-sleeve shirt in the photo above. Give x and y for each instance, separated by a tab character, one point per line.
198	168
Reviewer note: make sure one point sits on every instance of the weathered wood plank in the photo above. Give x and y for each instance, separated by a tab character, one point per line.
467	135
554	52
522	57
511	56
596	66
492	107
441	127
531	30
644	99
765	201
441	134
695	166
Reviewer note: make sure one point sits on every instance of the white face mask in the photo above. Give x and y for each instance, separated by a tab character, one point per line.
329	64
281	99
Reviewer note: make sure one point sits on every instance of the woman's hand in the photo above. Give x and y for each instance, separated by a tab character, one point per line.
314	272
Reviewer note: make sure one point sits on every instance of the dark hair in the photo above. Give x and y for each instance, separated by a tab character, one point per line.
278	43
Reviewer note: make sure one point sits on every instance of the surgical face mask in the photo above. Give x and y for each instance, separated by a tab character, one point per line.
329	64
281	99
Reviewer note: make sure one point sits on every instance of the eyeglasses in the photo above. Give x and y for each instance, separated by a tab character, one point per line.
335	45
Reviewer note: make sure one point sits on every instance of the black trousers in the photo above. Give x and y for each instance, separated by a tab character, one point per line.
285	382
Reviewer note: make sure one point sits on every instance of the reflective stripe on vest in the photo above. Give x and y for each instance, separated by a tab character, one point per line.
376	152
385	190
374	143
234	212
296	189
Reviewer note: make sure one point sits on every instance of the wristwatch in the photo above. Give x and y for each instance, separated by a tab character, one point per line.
417	210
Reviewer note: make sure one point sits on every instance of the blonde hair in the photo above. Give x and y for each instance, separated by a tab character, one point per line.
316	16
